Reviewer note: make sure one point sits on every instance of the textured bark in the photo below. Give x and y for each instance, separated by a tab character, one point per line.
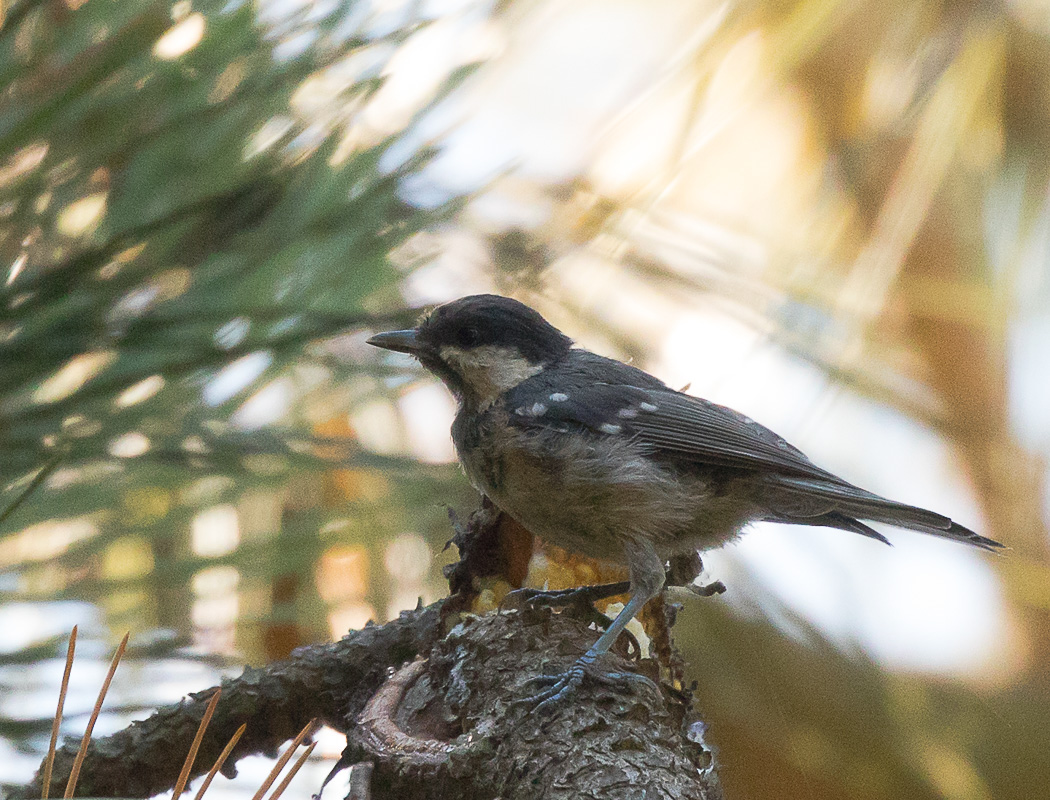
453	727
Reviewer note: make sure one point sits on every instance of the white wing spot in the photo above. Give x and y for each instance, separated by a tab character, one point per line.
535	410
559	397
627	413
647	406
608	427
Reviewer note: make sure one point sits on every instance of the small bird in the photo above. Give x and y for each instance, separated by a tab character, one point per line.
603	459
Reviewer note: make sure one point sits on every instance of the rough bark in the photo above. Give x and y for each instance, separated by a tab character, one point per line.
456	726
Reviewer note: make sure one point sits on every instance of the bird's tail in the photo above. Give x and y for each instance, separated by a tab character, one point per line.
805	501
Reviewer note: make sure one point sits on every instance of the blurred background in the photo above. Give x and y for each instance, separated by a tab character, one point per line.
832	216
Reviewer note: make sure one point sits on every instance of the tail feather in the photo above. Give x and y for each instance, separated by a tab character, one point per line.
834	520
955	532
841	505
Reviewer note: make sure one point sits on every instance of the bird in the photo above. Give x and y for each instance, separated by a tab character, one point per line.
604	459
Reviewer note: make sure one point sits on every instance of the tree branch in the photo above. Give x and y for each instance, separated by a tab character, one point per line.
331	682
452	723
455	724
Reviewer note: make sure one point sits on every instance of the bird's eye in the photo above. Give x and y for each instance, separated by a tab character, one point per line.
469	337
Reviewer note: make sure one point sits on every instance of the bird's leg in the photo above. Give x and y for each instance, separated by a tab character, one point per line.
647	579
581	599
561	598
560	687
683	570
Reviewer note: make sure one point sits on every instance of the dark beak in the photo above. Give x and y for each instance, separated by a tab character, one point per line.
398	341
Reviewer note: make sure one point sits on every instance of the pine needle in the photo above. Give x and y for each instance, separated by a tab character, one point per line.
283	760
191	756
42	475
291	773
221	760
57	723
78	762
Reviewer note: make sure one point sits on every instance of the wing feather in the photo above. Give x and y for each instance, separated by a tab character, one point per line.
669	423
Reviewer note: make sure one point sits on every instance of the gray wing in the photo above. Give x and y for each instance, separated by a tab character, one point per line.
688	430
671	424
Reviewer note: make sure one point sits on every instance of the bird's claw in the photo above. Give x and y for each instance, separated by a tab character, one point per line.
563	598
580	599
558	688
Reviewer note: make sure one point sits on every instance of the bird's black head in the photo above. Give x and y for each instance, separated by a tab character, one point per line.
481	345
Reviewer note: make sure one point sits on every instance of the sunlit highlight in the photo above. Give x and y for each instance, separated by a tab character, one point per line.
166	285
427	413
78	426
412	75
82	215
16	268
269	405
342	574
267	136
216	607
45	540
128	557
377	427
350	617
235	377
72	376
22	162
180	38
140	392
129	445
407	560
215	531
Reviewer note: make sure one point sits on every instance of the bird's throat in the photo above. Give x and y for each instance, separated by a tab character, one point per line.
484	373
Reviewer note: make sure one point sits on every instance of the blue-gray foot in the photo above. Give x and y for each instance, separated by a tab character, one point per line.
558	688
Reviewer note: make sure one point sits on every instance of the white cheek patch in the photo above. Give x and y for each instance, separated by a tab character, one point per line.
488	371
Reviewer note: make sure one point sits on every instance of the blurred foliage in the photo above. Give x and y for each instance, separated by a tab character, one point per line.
164	217
823	723
187	198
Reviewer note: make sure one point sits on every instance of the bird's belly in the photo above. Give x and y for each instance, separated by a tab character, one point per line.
589	494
